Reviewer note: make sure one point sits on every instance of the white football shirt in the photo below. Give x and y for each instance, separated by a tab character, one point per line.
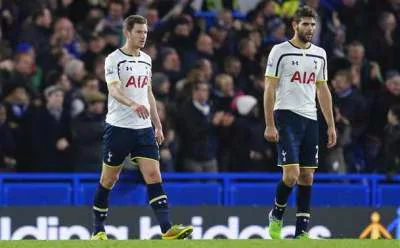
133	74
298	71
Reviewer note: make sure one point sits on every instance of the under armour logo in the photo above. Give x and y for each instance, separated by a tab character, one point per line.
109	157
315	64
129	68
283	156
295	62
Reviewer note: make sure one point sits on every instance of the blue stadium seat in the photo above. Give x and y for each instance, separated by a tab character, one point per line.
255	194
336	194
194	193
122	194
388	194
37	194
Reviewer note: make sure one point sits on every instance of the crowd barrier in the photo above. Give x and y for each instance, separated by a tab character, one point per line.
228	189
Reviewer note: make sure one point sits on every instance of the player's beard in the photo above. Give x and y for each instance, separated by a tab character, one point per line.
303	37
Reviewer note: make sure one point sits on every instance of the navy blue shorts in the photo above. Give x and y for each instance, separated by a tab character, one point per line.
120	142
298	139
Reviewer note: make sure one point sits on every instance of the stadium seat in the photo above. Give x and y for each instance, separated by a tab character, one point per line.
37	194
122	194
335	194
388	195
194	193
255	194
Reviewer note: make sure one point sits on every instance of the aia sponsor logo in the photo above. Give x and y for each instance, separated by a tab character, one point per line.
305	78
137	81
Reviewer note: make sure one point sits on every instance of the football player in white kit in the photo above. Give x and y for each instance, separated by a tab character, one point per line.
129	131
296	72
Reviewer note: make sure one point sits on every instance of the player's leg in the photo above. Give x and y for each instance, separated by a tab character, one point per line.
158	200
303	213
114	152
308	165
146	155
109	176
288	158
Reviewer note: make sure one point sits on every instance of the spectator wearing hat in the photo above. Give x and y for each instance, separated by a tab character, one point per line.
250	151
87	130
51	134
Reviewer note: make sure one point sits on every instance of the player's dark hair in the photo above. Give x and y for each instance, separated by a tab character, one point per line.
304	11
395	110
131	20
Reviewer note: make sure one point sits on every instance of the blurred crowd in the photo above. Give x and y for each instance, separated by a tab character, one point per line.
208	78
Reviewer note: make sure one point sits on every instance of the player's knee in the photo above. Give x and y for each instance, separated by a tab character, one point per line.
109	181
306	178
290	179
152	177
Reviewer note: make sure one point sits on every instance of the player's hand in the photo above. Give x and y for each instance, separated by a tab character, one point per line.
271	134
140	110
159	135
331	137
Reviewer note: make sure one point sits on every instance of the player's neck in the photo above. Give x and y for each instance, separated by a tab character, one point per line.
130	51
299	43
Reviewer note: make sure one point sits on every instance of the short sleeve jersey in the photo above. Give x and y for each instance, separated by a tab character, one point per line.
298	71
133	75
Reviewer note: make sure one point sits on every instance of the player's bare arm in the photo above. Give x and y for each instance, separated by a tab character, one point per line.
155	119
271	133
115	91
325	101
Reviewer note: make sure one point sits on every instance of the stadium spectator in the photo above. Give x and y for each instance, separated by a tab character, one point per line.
7	143
171	65
65	36
383	46
52	134
352	106
87	132
168	149
38	34
204	50
197	129
114	19
365	74
334	160
75	70
96	45
250	151
390	95
392	142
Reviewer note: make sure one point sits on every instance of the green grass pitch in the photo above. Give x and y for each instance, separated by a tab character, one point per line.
332	243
